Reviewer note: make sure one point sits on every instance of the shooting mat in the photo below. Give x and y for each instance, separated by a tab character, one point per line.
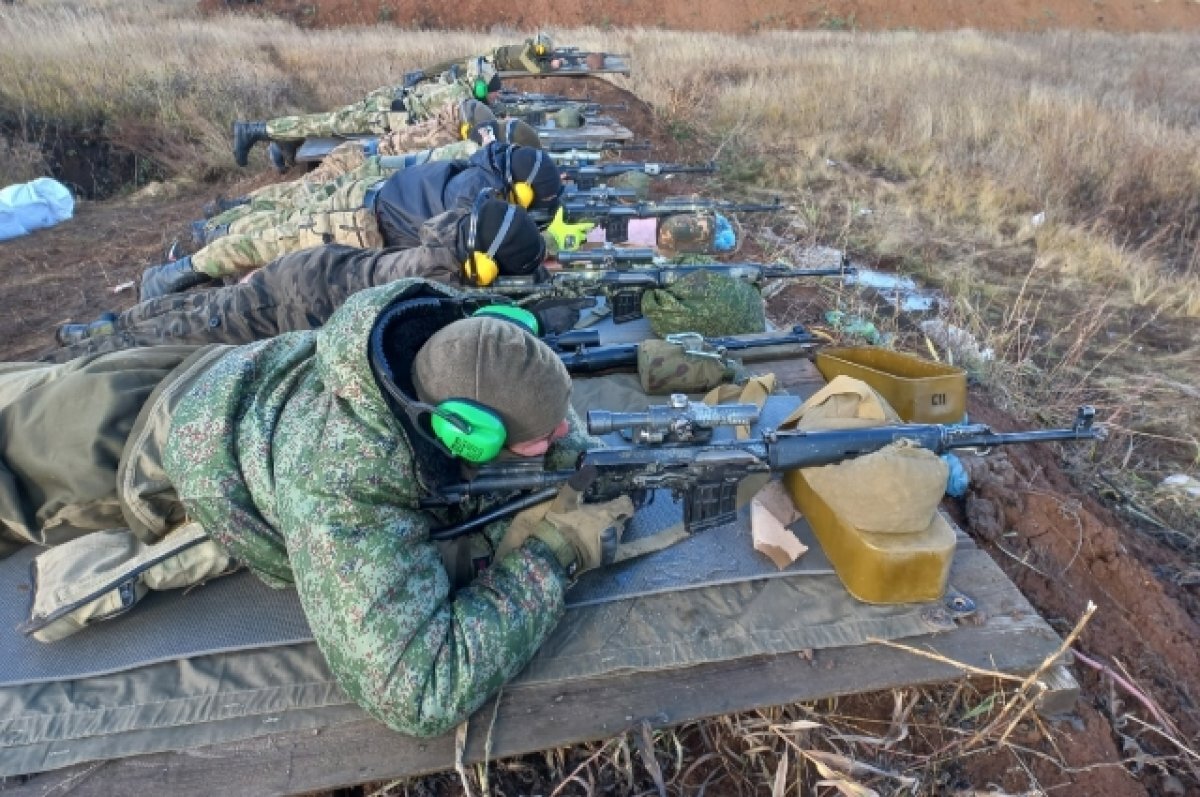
233	659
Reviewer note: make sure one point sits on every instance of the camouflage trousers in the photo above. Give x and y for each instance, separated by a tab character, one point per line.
341	217
270	205
345	164
373	114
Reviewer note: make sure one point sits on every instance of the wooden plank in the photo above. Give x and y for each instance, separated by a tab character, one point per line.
1011	638
1059	692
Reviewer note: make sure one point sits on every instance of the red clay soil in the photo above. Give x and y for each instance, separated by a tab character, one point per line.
741	17
1060	546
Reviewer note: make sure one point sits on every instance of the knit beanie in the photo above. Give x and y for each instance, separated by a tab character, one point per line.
501	365
518	131
522	250
546	181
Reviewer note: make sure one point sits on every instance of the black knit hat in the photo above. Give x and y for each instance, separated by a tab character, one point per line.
494	84
522	250
547	185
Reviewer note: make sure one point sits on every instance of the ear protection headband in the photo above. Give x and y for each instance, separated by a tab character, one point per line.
456	427
479	83
510	312
481	267
460	427
522	192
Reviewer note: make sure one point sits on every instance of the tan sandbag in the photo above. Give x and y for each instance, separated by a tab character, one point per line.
894	490
845	403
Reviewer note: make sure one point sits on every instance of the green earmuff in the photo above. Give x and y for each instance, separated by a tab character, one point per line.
479	89
470	430
510	312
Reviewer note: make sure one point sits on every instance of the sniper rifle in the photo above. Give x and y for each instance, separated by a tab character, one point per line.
614	218
672	449
586	148
624	287
589	175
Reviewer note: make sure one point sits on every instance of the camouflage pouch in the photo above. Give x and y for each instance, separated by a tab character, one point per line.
636	181
683	364
700	233
707	303
687	234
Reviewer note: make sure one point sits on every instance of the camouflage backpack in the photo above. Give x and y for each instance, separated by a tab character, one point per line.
700	233
705	302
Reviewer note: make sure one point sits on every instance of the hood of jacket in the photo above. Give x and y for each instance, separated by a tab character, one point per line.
297	418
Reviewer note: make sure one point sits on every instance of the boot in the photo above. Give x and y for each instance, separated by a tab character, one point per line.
245	136
170	278
221	204
283	154
70	334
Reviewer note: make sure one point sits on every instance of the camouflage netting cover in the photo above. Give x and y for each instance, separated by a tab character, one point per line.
705	302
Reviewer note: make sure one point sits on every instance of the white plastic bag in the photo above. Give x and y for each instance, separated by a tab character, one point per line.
26	207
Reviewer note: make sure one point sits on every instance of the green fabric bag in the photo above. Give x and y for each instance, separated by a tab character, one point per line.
705	302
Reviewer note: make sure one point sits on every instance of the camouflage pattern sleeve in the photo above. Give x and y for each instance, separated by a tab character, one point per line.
417	657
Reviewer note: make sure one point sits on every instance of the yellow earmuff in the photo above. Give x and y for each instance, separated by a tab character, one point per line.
481	269
464	131
522	194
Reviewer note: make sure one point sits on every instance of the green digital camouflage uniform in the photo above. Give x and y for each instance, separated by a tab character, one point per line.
705	302
287	454
340	217
346	163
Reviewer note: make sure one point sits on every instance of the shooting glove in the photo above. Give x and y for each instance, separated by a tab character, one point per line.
581	536
568	237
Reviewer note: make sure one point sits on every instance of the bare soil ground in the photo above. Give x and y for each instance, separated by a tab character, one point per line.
1057	542
751	15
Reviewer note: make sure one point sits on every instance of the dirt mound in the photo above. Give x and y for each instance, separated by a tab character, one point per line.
743	17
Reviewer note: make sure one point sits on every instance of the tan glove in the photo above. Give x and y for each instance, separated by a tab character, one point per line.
581	536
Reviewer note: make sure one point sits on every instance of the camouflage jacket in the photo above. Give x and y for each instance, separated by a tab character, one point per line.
286	452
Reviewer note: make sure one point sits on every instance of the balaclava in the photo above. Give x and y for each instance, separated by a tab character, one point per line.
546	182
521	250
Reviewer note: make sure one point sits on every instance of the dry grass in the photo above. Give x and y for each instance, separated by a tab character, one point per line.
904	742
1098	132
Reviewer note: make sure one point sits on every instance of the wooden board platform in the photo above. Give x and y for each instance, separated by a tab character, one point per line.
1007	635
